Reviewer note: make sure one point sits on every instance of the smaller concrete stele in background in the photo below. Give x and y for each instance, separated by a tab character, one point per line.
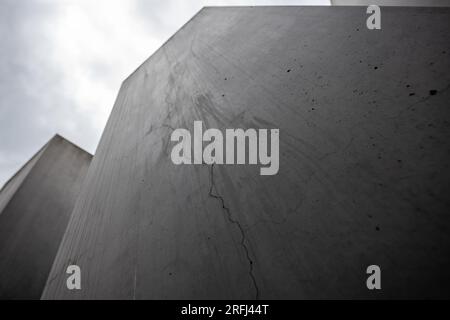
35	207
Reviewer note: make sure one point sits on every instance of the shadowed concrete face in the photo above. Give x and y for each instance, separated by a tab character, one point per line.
10	187
364	163
37	203
414	3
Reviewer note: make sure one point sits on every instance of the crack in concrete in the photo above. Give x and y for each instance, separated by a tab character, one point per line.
233	221
135	283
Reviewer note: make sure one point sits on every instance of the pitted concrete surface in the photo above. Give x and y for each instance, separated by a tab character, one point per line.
364	163
35	218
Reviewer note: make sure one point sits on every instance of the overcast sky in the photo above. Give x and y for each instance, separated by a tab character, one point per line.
62	63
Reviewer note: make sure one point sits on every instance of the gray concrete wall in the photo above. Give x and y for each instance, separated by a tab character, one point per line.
33	222
413	3
364	163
